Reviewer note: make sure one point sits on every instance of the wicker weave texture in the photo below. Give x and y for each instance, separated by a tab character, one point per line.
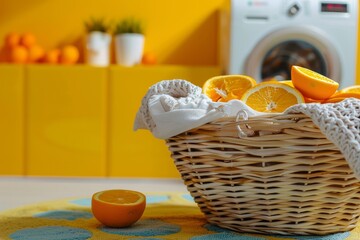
284	177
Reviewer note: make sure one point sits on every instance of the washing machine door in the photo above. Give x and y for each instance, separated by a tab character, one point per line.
308	47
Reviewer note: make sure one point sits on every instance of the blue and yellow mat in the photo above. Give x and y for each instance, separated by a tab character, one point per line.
167	216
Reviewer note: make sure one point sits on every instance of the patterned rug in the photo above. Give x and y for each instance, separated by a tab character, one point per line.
167	216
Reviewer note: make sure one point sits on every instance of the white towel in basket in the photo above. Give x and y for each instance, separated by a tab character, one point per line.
171	107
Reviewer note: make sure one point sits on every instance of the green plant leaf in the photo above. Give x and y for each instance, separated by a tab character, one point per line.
129	25
97	24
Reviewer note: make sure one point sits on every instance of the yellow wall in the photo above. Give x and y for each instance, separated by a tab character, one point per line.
175	30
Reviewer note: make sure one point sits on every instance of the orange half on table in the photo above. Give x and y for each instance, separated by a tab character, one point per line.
118	208
272	97
227	87
312	84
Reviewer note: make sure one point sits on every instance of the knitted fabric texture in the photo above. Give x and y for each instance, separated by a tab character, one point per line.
340	123
180	89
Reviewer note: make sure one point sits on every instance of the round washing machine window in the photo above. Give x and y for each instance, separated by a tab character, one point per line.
305	46
279	59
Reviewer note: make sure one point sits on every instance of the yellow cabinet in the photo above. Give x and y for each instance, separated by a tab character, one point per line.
78	120
66	120
11	120
134	154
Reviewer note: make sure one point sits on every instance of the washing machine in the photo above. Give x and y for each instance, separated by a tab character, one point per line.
264	38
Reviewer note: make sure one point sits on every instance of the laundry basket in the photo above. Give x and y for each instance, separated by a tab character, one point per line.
272	174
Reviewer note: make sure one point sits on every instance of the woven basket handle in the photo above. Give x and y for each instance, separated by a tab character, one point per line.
241	116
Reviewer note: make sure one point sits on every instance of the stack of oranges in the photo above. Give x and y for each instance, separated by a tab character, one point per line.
305	86
24	48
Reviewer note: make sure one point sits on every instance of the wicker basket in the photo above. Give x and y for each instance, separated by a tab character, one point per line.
268	174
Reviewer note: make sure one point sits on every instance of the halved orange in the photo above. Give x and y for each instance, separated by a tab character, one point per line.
227	87
310	100
351	89
287	82
272	97
339	96
118	208
345	95
312	84
334	100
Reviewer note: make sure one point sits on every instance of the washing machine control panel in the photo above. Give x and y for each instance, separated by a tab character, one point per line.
293	10
334	7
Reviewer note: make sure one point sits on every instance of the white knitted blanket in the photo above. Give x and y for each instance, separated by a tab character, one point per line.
340	123
171	107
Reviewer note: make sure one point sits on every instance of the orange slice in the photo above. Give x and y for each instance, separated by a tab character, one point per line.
351	89
335	100
312	84
345	95
118	208
310	100
227	87
287	82
339	96
272	97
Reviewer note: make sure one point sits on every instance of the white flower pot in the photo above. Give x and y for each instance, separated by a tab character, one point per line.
98	48
129	48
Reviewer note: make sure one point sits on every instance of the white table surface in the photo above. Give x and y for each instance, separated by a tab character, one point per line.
19	191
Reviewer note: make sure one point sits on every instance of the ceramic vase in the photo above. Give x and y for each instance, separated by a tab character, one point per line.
129	48
98	48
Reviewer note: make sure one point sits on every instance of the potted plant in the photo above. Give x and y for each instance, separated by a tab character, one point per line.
97	43
129	42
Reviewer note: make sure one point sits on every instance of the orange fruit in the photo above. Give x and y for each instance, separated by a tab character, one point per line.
227	87
69	55
312	84
118	208
27	40
287	82
272	97
19	54
351	89
12	40
339	96
52	56
335	100
36	53
148	58
310	100
272	79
